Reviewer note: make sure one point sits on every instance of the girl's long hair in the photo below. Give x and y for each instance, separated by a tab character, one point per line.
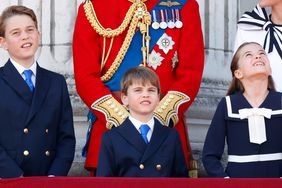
236	85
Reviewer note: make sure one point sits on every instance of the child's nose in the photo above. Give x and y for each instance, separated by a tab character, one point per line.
145	94
258	56
25	35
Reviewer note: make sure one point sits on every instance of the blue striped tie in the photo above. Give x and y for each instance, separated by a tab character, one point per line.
144	130
28	74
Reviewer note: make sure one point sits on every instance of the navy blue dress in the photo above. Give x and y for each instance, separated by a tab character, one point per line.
259	160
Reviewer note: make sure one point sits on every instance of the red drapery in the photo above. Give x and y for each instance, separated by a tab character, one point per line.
91	182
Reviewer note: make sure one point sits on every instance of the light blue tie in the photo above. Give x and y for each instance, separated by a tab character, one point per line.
28	74
144	130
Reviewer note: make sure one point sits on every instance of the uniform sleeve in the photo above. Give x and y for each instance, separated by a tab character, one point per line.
191	55
106	162
86	54
214	143
65	139
8	167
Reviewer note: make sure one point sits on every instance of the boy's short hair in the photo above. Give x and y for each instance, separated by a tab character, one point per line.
13	11
139	74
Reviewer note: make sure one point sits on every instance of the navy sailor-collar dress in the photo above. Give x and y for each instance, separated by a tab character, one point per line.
246	156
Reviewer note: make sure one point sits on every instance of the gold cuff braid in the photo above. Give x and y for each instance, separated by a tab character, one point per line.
168	107
115	113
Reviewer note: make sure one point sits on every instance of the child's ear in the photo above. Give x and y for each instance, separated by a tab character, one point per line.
124	99
3	43
238	74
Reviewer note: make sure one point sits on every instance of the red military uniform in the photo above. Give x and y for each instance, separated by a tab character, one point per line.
179	67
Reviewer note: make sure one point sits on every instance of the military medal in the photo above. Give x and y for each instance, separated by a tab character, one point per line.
155	59
155	24
171	23
163	24
178	23
174	60
165	43
169	3
132	1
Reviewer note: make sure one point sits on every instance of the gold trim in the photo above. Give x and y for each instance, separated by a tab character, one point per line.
104	59
136	16
136	1
125	45
169	3
168	107
193	171
92	18
115	113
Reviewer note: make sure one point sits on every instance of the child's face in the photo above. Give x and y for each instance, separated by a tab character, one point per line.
21	38
252	63
141	99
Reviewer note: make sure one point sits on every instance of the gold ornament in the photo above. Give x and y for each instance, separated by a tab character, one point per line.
167	109
136	16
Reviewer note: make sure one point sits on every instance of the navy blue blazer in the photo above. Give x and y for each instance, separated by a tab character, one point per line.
227	128
124	153
36	130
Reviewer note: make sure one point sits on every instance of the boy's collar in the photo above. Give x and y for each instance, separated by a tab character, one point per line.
21	68
138	123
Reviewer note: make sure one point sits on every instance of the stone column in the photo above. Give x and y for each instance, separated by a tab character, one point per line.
219	18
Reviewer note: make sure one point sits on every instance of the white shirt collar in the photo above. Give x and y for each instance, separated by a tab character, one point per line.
138	123
21	68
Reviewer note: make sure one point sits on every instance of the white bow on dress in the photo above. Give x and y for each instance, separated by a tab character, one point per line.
256	122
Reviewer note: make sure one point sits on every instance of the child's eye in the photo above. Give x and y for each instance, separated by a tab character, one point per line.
30	29
248	54
15	33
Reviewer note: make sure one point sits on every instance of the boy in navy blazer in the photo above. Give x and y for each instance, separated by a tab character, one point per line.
36	124
141	146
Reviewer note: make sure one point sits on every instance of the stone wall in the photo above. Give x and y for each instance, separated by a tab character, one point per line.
219	17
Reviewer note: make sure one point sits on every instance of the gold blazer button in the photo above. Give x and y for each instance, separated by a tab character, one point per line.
26	152
25	130
158	167
141	166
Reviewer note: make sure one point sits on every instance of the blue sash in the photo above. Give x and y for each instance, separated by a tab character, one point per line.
132	58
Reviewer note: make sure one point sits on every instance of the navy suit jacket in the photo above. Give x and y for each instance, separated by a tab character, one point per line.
36	129
124	153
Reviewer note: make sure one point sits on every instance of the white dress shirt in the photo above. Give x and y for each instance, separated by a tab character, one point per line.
21	69
137	124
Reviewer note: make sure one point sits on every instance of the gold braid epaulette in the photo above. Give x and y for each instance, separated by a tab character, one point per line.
131	18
